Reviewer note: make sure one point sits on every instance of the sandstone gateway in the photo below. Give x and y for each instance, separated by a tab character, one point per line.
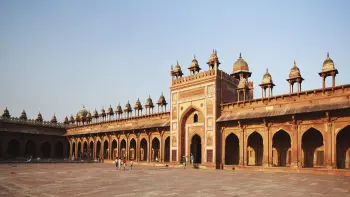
213	115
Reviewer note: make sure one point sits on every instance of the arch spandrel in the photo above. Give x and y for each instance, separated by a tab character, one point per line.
189	110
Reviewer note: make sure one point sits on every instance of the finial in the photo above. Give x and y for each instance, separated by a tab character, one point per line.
327	54
83	106
240	55
267	70
171	67
194	56
162	93
295	64
149	96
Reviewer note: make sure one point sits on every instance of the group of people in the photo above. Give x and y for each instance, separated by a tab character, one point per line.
122	163
184	160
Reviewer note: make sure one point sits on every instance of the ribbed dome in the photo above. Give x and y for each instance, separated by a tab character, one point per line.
138	105
240	65
267	78
83	112
177	70
103	112
194	66
128	107
149	102
6	113
77	118
294	72
66	121
328	64
72	119
119	109
110	110
213	58
39	118
88	116
161	100
53	119
95	114
23	115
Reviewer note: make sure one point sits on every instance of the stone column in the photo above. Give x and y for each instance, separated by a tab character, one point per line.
94	151
137	151
328	145
242	144
294	146
161	148
323	82
333	79
266	147
149	148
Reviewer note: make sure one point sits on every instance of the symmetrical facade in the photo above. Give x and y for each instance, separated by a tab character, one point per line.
215	117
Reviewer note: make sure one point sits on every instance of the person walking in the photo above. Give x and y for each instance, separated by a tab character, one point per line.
119	163
116	163
131	164
184	161
192	159
124	163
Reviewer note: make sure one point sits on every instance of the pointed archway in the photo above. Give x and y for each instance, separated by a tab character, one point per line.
105	149
59	150
143	150
30	149
91	150
98	150
312	145
255	149
79	150
281	143
343	148
45	150
167	149
114	149
132	149
85	147
232	150
196	149
13	148
192	120
123	149
73	150
155	149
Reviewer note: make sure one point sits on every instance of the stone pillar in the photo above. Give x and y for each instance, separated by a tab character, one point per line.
333	79
138	146
53	149
323	82
334	150
328	145
95	146
127	148
161	148
266	147
294	146
149	148
242	144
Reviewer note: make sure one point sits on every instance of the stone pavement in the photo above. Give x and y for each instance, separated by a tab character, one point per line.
105	180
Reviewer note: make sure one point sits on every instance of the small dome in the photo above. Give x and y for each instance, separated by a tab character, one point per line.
77	118
83	112
72	119
103	112
213	58
66	121
39	118
267	78
194	66
240	65
328	64
177	70
242	84
53	119
110	110
95	114
149	102
161	100
88	116
138	105
294	72
23	115
128	107
119	109
6	113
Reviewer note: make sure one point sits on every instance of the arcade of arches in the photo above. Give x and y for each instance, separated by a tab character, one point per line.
295	147
138	148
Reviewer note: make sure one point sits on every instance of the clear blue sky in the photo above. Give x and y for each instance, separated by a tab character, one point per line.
56	56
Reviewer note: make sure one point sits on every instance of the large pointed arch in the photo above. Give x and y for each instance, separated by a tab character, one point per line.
312	146
281	144
255	149
343	148
232	150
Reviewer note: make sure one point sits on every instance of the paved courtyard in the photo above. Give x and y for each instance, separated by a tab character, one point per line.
104	180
